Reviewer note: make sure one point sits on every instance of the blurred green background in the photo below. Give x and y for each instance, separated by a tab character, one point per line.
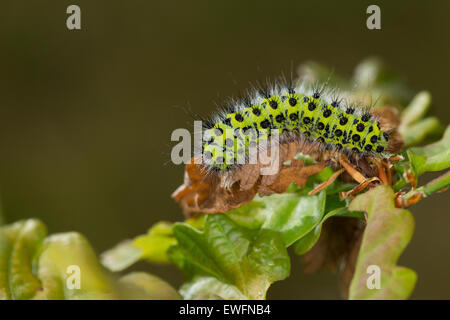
86	116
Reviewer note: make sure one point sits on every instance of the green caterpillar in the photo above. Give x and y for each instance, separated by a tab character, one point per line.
297	113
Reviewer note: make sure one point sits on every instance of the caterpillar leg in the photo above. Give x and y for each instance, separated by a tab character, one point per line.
355	174
384	176
387	166
396	158
360	187
384	171
326	183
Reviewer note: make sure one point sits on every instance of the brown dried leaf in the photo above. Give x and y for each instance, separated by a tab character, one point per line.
220	193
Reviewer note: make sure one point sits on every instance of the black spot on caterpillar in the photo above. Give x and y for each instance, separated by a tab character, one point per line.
297	113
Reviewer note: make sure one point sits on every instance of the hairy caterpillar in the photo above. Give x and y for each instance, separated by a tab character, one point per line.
297	112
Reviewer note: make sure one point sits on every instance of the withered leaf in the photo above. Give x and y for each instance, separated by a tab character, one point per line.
214	193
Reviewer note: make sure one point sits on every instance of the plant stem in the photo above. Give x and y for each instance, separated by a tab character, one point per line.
433	186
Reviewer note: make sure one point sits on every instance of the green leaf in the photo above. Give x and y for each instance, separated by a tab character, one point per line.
414	128
235	256
387	234
67	254
433	157
144	286
296	215
210	288
63	266
305	244
19	242
121	256
417	132
416	109
194	255
156	242
291	214
152	246
62	251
